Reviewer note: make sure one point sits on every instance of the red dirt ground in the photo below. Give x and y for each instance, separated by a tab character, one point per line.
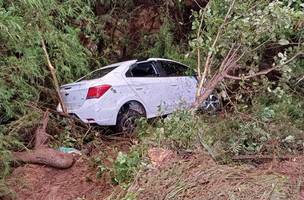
199	175
38	182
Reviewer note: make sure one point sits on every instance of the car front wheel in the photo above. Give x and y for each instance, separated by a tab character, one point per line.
212	104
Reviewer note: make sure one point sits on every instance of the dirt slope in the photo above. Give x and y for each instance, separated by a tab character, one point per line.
29	182
194	176
199	177
38	182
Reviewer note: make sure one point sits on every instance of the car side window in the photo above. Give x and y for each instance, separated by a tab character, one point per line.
144	69
175	69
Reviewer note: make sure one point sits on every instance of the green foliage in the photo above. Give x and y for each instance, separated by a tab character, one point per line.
98	165
6	142
23	63
280	105
271	118
66	139
250	138
252	24
24	76
125	167
10	139
178	131
130	196
269	33
164	45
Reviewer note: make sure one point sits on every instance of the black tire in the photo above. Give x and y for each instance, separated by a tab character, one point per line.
212	104
126	121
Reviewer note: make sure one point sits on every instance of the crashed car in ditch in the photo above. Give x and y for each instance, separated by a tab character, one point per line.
118	94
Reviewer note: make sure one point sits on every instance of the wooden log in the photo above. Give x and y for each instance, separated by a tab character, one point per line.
45	156
42	154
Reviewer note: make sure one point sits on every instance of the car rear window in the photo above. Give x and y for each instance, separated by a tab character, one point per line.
97	74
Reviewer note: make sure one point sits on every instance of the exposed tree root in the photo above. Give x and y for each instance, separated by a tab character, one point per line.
42	154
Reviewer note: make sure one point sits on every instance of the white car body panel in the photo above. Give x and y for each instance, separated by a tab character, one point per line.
153	91
158	95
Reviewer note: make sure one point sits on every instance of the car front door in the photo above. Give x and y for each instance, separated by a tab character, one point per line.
144	79
183	80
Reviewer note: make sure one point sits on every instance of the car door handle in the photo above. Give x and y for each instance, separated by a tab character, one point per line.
139	88
174	85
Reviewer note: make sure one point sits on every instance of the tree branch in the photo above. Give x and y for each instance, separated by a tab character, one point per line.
209	56
41	153
264	72
229	63
53	73
198	34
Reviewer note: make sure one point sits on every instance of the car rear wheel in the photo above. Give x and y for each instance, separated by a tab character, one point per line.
126	120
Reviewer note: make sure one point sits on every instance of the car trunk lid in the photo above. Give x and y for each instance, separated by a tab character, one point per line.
74	94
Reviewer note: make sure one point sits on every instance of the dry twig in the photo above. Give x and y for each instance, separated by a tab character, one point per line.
53	73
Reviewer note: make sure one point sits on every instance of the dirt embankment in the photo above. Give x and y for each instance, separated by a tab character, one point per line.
199	177
194	176
36	182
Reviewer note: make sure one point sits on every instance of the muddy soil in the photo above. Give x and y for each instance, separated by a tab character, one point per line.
192	177
38	182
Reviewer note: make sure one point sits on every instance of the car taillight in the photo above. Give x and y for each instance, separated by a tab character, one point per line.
97	91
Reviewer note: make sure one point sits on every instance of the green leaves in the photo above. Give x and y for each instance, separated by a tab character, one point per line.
23	65
24	77
252	25
125	167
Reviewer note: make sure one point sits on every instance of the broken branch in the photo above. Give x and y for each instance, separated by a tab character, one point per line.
229	63
261	157
53	74
264	72
42	154
209	56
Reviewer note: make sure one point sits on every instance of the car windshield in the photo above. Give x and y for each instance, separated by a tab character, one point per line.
97	74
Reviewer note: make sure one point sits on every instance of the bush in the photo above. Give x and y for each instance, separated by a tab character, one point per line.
125	167
178	130
24	77
275	117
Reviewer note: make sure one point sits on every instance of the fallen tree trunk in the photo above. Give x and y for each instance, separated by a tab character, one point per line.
45	156
229	64
42	154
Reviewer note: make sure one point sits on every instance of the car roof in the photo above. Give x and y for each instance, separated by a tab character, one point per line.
130	62
119	64
163	59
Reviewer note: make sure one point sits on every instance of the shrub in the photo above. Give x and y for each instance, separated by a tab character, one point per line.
125	167
178	130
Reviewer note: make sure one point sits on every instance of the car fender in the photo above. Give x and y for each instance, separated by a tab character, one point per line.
131	98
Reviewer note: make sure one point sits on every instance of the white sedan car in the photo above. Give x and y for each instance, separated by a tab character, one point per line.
118	94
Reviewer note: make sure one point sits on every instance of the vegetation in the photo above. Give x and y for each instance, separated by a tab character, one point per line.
83	35
125	167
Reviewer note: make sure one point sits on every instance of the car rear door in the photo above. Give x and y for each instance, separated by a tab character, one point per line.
146	82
